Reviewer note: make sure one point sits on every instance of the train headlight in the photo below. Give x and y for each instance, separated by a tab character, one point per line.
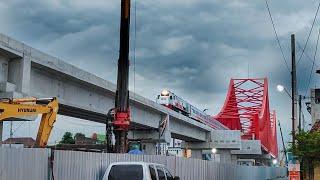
164	92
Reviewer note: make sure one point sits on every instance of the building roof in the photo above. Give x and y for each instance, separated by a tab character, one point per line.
27	141
315	127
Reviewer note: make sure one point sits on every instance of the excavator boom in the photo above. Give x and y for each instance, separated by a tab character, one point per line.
19	108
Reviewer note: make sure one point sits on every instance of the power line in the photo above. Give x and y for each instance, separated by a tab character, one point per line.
305	45
314	59
308	57
277	37
303	122
80	124
18	127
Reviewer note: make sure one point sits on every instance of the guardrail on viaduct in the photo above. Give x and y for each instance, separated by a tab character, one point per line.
16	164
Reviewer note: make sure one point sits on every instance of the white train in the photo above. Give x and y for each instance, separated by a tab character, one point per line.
174	102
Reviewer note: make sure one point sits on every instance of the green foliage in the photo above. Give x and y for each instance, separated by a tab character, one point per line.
67	138
79	135
307	145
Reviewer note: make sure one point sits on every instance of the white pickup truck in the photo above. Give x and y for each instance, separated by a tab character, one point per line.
137	171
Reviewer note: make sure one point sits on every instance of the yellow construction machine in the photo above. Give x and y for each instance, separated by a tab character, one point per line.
11	109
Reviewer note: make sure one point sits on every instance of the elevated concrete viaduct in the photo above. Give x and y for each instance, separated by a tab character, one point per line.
25	71
28	72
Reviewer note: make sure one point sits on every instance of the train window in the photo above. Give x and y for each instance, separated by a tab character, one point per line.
171	97
158	96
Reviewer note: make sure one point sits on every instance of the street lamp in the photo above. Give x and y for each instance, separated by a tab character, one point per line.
274	162
282	89
293	97
214	152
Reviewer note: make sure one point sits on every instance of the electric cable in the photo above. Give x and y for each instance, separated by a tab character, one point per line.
314	59
18	127
80	124
303	121
313	22
308	56
277	37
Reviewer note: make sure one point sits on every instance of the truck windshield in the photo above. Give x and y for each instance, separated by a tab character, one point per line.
123	172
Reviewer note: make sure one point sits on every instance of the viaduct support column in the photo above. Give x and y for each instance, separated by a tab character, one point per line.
1	132
148	139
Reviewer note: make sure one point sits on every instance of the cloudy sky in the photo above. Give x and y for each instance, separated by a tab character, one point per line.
192	47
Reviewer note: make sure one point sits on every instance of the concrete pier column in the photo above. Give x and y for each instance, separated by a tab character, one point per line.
198	149
19	73
196	153
1	132
225	155
149	148
149	140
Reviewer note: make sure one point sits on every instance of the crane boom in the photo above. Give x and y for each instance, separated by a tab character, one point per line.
121	119
19	108
122	94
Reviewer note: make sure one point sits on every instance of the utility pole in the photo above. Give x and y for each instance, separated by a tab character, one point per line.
294	90
1	132
300	113
11	132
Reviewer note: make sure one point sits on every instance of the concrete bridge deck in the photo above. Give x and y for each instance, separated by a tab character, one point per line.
26	71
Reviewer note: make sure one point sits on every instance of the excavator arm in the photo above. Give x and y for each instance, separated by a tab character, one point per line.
19	108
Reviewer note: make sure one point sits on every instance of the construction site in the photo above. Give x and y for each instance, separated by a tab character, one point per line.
169	137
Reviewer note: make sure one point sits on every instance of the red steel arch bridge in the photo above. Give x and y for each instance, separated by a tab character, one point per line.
246	108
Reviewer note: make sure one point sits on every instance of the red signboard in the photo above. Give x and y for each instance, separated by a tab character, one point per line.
294	175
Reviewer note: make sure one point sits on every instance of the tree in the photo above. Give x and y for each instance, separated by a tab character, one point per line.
307	149
307	145
67	138
79	135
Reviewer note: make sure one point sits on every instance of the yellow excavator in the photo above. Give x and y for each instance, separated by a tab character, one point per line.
13	109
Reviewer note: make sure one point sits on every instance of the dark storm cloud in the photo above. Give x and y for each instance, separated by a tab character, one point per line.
191	43
192	47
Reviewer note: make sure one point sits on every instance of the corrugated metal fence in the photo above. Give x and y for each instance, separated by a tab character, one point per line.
18	164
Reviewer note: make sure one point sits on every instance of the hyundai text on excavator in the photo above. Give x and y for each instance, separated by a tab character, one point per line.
13	109
119	117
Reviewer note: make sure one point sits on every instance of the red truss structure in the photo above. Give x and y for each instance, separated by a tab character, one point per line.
247	109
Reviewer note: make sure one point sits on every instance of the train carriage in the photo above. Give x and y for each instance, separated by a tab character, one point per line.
174	102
